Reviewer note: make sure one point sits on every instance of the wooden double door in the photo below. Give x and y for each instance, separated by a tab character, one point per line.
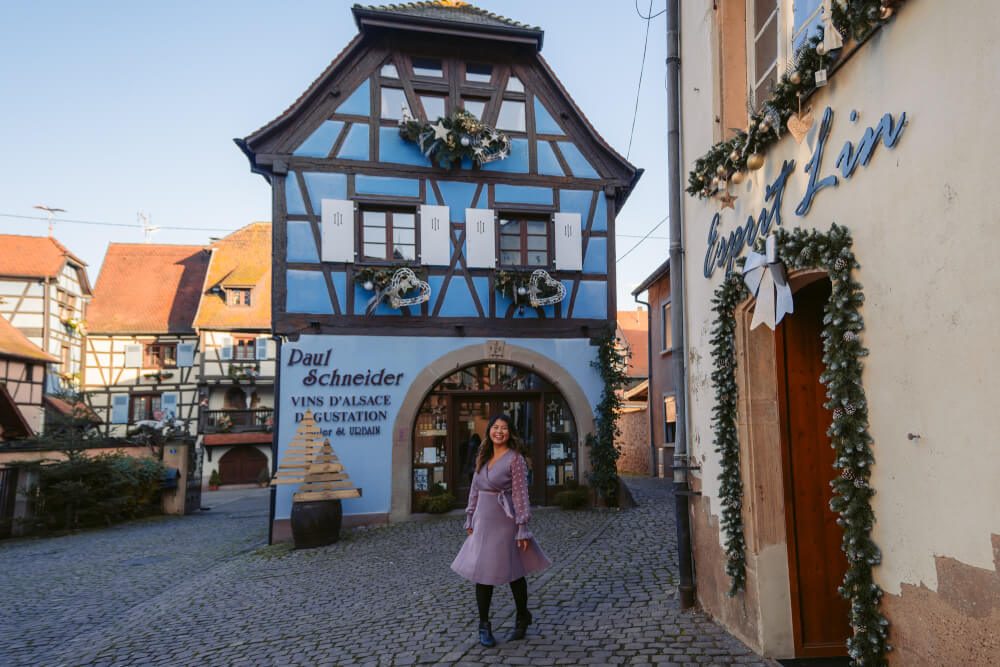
446	452
816	562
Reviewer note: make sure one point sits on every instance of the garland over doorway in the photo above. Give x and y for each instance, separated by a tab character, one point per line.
842	354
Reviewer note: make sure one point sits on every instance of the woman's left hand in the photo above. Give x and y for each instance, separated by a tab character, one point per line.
522	545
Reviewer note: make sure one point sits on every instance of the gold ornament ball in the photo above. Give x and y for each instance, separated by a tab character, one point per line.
734	156
795	78
764	126
755	161
820	49
885	13
715	182
720	171
737	177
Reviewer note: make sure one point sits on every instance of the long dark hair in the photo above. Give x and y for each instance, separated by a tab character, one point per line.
486	446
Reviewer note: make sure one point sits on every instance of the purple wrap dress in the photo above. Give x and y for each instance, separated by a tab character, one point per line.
498	514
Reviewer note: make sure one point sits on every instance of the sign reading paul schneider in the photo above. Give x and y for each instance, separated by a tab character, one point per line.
722	251
359	410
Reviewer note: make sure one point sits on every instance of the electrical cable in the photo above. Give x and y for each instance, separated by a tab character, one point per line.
112	224
635	113
652	16
657	226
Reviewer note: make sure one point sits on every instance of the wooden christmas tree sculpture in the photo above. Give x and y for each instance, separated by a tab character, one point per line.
310	461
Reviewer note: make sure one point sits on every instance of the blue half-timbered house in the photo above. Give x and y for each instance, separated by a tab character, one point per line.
441	142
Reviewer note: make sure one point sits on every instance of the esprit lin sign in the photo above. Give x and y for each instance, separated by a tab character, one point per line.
723	250
343	402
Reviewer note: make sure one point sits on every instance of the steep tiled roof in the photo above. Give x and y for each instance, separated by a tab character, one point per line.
449	10
33	256
13	343
634	324
145	288
242	259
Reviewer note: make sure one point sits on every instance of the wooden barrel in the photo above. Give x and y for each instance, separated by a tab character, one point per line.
316	523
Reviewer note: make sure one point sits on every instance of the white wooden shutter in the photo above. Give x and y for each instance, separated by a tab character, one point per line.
133	356
435	230
185	355
480	238
337	230
569	247
260	349
226	351
119	409
168	403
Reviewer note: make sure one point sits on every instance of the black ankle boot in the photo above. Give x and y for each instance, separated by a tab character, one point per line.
520	626
486	634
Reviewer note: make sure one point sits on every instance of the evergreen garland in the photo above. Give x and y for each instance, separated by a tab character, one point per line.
612	364
464	136
855	18
510	283
842	353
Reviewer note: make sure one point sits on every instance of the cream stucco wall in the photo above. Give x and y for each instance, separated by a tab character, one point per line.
924	221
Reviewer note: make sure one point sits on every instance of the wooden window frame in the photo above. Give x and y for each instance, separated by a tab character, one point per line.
242	343
666	345
665	422
150	360
388	209
147	397
245	292
523	235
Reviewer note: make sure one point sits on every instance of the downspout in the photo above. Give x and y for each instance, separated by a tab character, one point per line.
681	465
649	390
274	435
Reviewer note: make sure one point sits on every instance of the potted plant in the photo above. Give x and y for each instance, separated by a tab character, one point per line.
214	480
263	478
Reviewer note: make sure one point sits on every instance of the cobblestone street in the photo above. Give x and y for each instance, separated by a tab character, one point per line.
205	590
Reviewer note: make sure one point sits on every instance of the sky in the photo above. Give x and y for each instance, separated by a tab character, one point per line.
109	109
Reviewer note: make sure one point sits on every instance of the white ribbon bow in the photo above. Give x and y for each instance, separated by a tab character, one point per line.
766	280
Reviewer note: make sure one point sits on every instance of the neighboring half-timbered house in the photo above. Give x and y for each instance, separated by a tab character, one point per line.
22	384
236	367
143	355
44	292
402	376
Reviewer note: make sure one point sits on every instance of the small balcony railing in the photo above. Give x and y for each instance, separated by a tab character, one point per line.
236	421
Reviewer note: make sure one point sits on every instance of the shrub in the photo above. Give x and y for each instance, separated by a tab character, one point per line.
100	490
263	477
214	479
437	500
574	497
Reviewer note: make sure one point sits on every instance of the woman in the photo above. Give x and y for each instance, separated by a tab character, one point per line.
499	549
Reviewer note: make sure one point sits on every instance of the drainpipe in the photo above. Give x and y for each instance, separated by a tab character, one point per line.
681	465
274	434
649	390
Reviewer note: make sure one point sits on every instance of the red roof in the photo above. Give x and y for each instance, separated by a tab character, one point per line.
71	409
242	259
13	343
33	256
251	438
146	288
634	325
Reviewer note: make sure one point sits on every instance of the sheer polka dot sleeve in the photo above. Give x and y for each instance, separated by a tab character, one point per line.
519	491
473	499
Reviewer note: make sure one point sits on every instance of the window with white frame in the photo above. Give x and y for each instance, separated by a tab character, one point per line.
764	26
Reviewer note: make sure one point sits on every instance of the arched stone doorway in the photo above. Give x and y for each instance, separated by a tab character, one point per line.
579	407
452	421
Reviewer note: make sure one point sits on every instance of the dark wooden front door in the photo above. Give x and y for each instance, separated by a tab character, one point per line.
241	465
816	562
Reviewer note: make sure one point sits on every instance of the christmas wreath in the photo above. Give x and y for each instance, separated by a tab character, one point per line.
397	286
460	135
529	288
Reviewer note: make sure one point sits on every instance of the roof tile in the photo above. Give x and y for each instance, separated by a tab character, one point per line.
241	259
13	343
33	256
449	10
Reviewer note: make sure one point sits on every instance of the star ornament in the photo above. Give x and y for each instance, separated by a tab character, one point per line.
727	200
440	131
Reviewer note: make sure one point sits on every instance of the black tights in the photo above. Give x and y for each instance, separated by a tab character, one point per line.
484	595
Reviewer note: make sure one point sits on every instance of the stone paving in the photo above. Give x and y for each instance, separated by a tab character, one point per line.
205	590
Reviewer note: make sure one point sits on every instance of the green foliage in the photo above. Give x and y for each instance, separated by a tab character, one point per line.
214	479
87	491
858	18
379	276
466	137
437	500
263	476
842	354
611	363
574	497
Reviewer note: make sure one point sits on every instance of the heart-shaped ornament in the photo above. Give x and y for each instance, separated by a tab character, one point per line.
798	125
551	284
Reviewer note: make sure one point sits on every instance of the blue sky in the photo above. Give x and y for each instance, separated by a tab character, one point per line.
112	108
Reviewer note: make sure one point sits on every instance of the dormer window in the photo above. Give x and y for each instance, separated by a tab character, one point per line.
238	296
